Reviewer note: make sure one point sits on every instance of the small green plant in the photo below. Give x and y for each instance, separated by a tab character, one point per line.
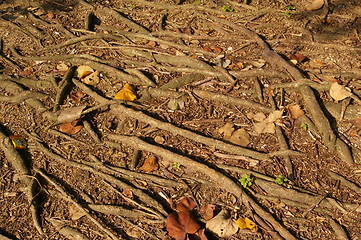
226	8
289	8
281	180
246	181
131	6
304	126
197	2
176	165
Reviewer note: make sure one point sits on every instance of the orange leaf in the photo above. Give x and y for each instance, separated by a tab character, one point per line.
127	93
186	204
70	128
150	164
175	228
298	57
295	111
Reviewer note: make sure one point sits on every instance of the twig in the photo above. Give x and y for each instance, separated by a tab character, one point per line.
63	88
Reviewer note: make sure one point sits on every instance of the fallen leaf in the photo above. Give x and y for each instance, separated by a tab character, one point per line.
268	125
70	128
91	79
127	93
62	67
240	137
295	111
256	116
339	92
222	224
315	5
159	139
180	224
216	49
75	212
150	164
76	97
297	58
152	44
227	131
128	193
208	49
258	63
186	204
245	223
70	114
207	211
176	104
83	71
199	235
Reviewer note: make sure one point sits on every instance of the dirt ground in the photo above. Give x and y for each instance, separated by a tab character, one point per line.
252	107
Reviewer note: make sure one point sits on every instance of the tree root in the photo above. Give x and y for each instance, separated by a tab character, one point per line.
142	195
215	176
311	103
68	198
22	168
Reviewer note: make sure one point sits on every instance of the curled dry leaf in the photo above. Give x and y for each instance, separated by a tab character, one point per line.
315	5
75	212
339	92
223	224
186	204
83	71
70	128
127	93
295	111
70	114
207	211
175	104
91	79
150	164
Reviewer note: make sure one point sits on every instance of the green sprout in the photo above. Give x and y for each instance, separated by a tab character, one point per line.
288	13
197	2
176	165
131	6
245	181
304	126
281	179
226	8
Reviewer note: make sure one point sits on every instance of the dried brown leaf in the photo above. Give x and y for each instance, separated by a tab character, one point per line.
70	128
295	111
315	5
207	211
240	137
223	224
150	164
186	204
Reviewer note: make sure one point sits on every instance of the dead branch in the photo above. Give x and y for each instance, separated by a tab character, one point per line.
66	231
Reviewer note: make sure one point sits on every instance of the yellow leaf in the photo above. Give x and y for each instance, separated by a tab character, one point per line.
127	93
83	71
245	223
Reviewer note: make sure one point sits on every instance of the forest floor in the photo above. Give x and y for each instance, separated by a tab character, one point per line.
198	119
